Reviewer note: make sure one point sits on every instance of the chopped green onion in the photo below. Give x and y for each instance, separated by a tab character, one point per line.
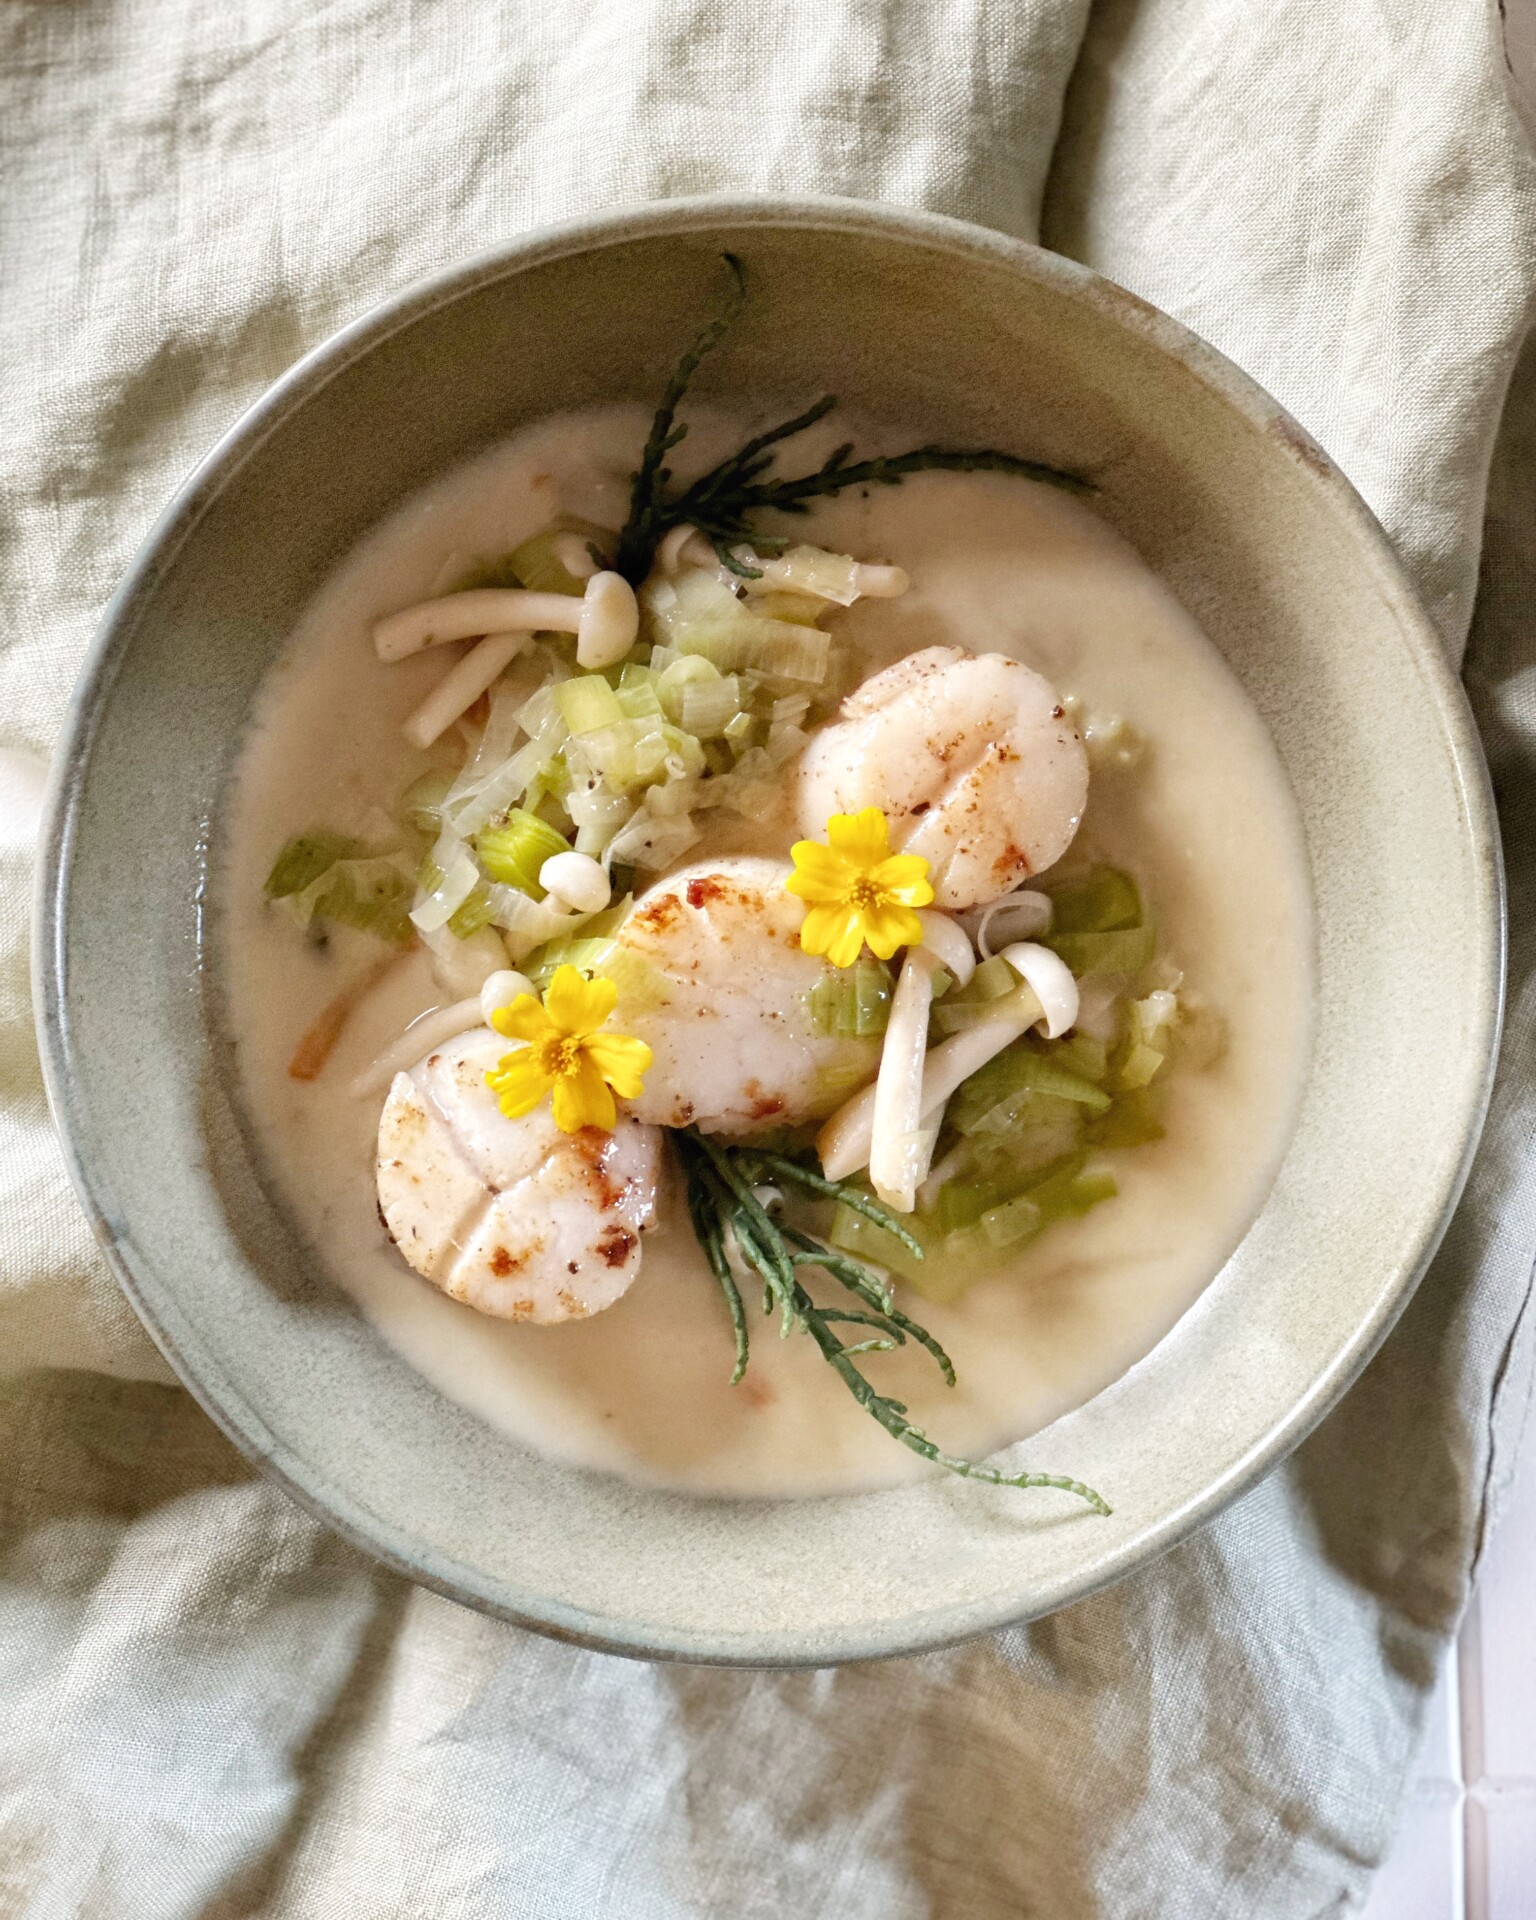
514	849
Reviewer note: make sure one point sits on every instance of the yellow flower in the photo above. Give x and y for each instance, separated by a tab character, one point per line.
566	1055
858	890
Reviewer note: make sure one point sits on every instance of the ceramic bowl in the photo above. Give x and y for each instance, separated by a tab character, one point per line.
991	342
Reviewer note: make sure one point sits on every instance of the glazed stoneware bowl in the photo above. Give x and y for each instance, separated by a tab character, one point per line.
980	340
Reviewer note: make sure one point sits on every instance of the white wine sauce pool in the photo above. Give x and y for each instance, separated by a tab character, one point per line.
1204	820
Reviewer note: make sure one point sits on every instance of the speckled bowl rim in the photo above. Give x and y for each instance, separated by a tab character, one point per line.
1288	441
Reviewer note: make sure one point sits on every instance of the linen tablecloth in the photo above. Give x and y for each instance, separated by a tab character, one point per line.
208	1705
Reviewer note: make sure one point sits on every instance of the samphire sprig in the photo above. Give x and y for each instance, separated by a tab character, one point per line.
730	1218
723	502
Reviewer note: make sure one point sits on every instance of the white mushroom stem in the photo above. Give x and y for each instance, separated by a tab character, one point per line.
577	881
575	555
433	1029
462	686
897	1160
844	1141
1021	915
872	582
949	942
609	624
437	1027
1051	981
501	989
684	546
467	616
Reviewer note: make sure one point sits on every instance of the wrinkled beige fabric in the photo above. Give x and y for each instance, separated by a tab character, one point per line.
212	1708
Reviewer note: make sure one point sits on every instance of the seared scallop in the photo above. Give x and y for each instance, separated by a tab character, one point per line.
513	1217
712	977
970	757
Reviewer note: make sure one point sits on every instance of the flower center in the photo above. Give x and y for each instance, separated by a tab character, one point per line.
865	895
560	1057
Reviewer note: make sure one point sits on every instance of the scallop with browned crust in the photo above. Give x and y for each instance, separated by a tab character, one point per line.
513	1217
712	977
970	757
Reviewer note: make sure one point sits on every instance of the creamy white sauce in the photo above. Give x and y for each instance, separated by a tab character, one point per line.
1206	821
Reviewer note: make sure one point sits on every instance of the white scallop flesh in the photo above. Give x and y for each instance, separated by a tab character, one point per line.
972	759
512	1217
720	997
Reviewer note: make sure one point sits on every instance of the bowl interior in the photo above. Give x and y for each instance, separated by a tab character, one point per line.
976	338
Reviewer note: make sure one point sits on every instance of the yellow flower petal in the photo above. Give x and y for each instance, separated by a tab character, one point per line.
578	1006
888	927
838	932
621	1061
820	875
905	876
863	838
582	1099
525	1019
519	1083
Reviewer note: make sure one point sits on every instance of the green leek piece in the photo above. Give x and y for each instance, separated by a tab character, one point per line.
1018	1069
587	702
496	570
1125	950
709	706
783	603
1082	1054
1140	1066
855	1232
326	876
960	1012
700	617
536	566
1024	1135
1103	901
854	1002
421	804
514	848
1131	1122
975	1002
1013	1223
472	913
587	954
674	680
1071	1190
306	857
637	694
